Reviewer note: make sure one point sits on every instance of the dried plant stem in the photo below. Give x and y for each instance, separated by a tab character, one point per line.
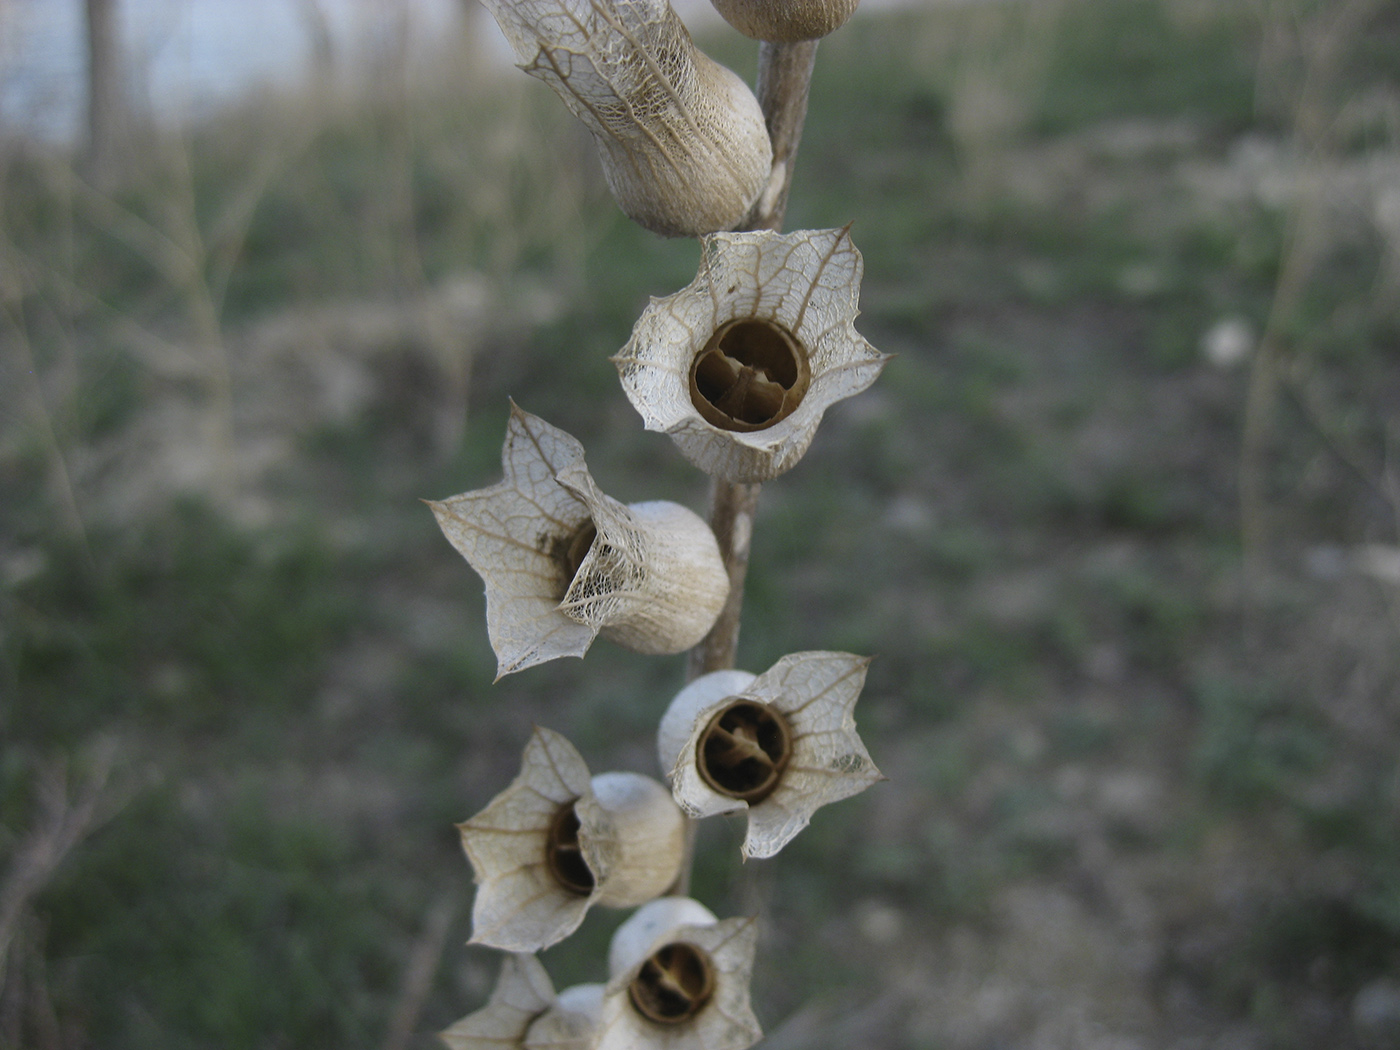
784	77
1274	361
419	973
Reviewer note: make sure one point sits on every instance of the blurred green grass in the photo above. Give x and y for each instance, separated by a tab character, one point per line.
1032	522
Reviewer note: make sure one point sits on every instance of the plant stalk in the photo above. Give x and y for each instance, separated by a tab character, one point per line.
731	519
784	79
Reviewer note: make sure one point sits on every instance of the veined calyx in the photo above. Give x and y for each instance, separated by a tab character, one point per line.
682	139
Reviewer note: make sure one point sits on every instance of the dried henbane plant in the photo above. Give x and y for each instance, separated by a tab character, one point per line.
738	368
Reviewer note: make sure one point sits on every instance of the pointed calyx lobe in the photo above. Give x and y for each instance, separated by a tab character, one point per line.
556	842
780	745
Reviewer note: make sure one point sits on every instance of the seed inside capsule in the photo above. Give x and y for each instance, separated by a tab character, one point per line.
749	375
562	854
743	750
674	984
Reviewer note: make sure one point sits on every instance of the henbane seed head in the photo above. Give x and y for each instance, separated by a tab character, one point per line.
556	842
680	981
563	562
682	139
779	745
739	366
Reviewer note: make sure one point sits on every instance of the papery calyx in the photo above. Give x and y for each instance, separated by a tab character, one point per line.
522	994
682	139
557	841
739	366
779	745
562	562
680	980
523	1013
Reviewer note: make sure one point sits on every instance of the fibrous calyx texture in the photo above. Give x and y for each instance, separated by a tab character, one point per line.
682	138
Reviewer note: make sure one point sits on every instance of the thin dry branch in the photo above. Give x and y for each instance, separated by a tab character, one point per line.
68	813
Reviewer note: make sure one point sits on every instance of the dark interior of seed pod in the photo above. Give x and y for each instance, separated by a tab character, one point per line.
750	375
743	750
674	984
569	553
562	855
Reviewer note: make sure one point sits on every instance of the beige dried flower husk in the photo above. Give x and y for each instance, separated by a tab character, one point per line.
702	971
570	1023
781	745
739	366
682	139
523	992
523	1013
786	21
557	841
648	576
632	940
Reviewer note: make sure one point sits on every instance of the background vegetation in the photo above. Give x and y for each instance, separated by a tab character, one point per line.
1120	524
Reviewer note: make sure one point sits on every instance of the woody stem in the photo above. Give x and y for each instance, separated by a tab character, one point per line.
731	518
784	79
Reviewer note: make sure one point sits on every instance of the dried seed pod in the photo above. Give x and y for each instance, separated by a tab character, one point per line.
632	835
562	562
682	139
739	366
678	722
523	1012
523	992
781	746
570	1023
632	940
687	988
558	841
786	21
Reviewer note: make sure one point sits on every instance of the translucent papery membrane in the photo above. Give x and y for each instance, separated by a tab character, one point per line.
653	580
682	139
556	842
739	366
562	562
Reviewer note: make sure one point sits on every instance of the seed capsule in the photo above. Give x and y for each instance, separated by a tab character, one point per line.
558	841
779	745
739	366
563	563
682	139
680	981
786	21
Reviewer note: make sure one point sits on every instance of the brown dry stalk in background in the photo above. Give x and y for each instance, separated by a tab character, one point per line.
1274	368
67	815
